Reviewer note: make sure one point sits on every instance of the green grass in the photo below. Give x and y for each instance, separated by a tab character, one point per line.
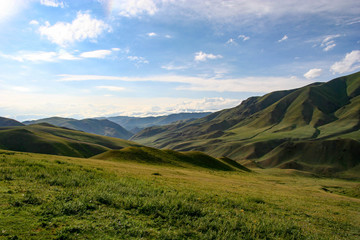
53	197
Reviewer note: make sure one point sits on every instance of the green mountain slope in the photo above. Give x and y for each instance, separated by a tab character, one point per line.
169	157
101	127
317	112
136	124
7	122
48	139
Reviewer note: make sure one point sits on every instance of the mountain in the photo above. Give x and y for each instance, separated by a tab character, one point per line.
49	139
7	122
136	124
101	127
262	128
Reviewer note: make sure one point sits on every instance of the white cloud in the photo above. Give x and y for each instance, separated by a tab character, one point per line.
96	54
131	8
350	62
328	43
201	56
313	73
40	56
82	28
205	104
116	49
329	47
231	41
64	55
52	3
152	34
87	106
34	22
243	11
168	36
138	60
246	84
284	38
243	37
111	88
171	67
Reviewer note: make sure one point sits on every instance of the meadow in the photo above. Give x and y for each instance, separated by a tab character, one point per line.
55	197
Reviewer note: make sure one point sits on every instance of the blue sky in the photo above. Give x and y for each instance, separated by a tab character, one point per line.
92	58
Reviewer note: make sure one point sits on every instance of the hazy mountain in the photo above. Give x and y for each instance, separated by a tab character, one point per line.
102	127
49	139
260	128
136	124
7	122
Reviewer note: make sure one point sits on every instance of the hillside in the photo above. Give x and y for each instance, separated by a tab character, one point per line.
7	122
48	139
317	112
170	158
136	124
57	197
101	127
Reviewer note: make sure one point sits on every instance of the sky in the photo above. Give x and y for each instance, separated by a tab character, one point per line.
98	58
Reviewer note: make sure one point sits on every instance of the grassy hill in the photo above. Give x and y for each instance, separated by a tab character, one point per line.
170	158
49	139
101	127
317	112
7	122
56	197
136	124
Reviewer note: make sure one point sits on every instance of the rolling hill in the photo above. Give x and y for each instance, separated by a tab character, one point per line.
169	157
136	124
7	122
261	128
101	127
49	139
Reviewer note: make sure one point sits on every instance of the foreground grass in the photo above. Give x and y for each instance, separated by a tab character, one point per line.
51	197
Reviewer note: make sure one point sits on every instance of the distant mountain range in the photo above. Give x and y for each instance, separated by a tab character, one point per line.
315	127
136	124
101	127
120	127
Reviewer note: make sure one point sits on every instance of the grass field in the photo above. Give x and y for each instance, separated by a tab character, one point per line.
54	197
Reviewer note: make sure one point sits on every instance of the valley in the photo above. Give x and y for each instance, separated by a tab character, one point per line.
281	166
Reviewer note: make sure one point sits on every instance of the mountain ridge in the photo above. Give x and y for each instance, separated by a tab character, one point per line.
101	127
316	112
136	124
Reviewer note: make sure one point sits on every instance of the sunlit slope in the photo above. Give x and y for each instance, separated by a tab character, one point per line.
45	138
171	158
315	112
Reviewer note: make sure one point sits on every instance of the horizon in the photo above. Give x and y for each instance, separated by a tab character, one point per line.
101	58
